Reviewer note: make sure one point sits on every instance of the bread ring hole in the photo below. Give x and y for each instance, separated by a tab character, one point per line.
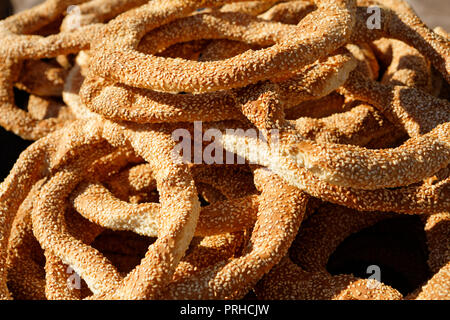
21	98
125	249
13	147
396	246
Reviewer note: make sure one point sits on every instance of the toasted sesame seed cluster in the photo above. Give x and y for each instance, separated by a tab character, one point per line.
349	103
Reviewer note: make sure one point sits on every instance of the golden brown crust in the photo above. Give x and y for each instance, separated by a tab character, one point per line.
229	73
287	281
351	116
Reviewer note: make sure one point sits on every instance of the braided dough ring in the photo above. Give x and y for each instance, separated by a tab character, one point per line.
25	274
418	199
231	215
413	110
345	165
18	46
399	21
164	74
145	106
102	278
226	280
57	275
33	164
219	247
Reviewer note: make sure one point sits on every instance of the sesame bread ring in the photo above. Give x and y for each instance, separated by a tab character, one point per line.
175	75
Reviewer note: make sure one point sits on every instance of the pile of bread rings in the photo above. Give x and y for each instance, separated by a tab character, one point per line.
355	126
